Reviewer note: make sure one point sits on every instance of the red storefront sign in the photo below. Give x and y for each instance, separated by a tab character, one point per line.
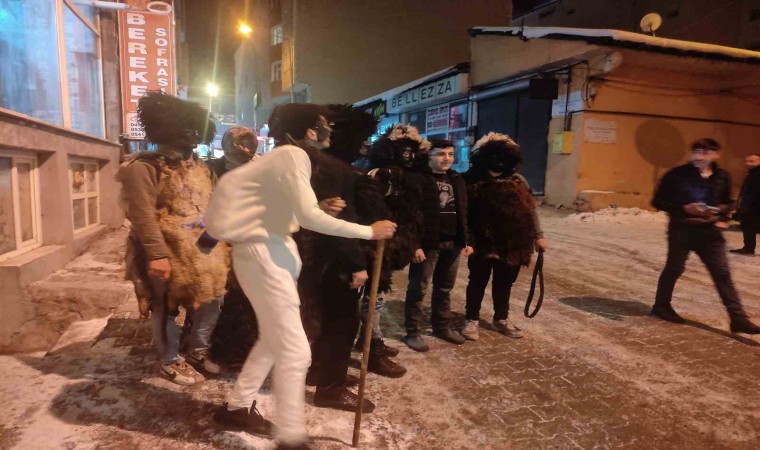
146	41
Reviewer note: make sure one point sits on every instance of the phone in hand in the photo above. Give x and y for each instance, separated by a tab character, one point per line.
206	243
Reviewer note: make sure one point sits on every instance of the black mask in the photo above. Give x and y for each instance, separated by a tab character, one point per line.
497	164
404	157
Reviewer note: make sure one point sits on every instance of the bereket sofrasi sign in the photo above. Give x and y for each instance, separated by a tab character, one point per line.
146	40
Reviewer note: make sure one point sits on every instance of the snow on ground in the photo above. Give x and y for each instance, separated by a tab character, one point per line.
619	215
594	371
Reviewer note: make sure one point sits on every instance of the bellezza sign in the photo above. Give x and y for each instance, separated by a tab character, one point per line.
437	91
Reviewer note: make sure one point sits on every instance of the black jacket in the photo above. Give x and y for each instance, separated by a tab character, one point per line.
749	199
430	236
684	184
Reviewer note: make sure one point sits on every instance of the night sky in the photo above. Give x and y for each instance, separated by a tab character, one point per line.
204	18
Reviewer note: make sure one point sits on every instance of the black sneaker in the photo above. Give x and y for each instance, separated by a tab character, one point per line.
341	399
449	335
383	366
242	420
744	325
666	312
743	251
376	347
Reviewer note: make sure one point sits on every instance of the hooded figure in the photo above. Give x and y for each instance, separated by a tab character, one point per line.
165	194
239	144
504	229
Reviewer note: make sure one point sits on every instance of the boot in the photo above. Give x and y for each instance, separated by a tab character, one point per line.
744	325
376	347
666	312
251	421
382	365
341	398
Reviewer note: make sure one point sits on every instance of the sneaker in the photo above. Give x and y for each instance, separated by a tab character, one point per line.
471	330
384	366
416	343
744	325
743	251
666	312
201	361
341	399
252	422
181	373
507	328
450	335
312	379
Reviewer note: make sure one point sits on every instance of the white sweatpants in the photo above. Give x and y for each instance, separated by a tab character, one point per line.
267	272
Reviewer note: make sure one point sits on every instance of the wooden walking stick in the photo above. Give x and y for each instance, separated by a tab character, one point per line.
368	335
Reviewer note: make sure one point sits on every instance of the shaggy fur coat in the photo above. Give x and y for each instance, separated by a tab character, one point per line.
500	218
183	192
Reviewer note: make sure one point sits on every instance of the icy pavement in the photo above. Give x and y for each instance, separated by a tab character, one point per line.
593	371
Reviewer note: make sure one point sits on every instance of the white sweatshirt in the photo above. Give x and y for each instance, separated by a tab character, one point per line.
272	196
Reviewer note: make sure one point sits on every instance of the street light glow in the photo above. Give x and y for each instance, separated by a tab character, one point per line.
212	89
245	29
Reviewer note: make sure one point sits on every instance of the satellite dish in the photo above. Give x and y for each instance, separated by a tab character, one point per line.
650	23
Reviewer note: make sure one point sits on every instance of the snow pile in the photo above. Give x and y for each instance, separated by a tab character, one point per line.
619	215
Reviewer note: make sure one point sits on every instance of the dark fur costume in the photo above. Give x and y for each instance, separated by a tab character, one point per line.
500	209
397	157
332	176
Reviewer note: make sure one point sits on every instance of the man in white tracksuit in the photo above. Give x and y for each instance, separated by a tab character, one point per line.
256	208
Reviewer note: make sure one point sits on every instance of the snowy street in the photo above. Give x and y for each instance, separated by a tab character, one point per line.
593	370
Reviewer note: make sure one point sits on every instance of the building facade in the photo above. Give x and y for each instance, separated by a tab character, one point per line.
324	51
60	122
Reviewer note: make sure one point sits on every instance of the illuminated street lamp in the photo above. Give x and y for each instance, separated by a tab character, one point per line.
212	90
245	29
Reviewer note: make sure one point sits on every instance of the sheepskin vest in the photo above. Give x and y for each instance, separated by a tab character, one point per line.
184	191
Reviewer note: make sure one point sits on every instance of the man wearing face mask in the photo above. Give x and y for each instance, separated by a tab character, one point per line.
504	227
166	194
697	196
256	208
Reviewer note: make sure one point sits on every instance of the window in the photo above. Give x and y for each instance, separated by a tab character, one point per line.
84	76
30	79
277	71
277	34
32	82
19	204
85	190
446	121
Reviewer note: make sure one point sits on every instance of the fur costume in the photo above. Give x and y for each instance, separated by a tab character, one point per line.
500	209
183	190
398	156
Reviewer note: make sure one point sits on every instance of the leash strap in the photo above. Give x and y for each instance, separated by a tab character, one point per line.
538	275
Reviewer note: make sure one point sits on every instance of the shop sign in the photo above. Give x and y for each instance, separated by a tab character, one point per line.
146	41
437	119
376	108
429	93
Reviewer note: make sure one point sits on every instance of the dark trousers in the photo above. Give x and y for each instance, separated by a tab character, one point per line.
441	266
709	245
750	229
504	277
331	352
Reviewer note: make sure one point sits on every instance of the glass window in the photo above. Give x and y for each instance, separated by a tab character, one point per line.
85	194
18	204
417	118
458	117
277	71
277	34
7	216
83	71
88	10
30	80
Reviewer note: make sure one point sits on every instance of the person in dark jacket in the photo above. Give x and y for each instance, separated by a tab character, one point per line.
697	196
444	238
239	144
504	229
748	212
